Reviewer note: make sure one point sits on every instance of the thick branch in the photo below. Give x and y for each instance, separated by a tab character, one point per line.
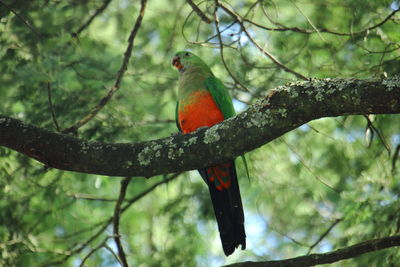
284	109
330	257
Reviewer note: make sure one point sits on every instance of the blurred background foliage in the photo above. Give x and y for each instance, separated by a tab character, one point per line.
326	185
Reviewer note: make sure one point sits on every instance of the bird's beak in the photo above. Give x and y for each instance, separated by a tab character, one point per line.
176	62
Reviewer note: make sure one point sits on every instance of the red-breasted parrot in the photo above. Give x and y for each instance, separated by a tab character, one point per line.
204	101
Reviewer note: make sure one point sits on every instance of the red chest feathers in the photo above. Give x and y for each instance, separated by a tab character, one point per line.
198	110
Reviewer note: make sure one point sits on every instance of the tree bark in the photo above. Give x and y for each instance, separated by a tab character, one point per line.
283	109
329	257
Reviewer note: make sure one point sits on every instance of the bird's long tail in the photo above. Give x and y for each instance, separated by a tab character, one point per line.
225	195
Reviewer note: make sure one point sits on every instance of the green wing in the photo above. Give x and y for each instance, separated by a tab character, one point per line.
176	116
224	101
221	96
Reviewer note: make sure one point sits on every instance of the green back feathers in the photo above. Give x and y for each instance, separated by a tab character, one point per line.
221	96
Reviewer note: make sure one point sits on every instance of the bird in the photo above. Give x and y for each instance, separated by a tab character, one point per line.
203	101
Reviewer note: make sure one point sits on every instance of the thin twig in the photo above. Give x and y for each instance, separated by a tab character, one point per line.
395	157
309	21
91	197
81	247
150	189
131	201
305	31
29	25
380	135
89	21
117	213
321	133
83	230
112	252
287	236
324	235
199	12
40	217
53	114
124	66
240	20
302	161
93	251
221	50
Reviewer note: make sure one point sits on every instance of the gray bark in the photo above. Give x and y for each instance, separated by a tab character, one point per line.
283	109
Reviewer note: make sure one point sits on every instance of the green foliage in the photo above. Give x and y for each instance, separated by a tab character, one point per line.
301	183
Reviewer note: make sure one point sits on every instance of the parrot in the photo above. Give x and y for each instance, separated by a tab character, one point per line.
203	101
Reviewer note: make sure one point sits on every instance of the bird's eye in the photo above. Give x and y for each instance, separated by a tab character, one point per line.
188	54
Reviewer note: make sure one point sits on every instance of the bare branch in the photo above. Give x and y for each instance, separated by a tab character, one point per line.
53	114
91	197
306	31
117	213
93	251
330	257
84	230
29	25
395	157
112	252
93	112
324	235
380	135
284	109
107	222
221	50
199	12
150	189
309	20
274	228
315	174
239	19
92	17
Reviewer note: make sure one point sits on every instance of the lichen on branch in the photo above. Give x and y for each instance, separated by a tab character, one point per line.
283	109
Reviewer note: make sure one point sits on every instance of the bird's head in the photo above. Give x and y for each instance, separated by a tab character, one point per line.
184	60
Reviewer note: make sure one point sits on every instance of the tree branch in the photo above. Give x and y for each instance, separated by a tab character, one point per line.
124	66
105	223
330	257
221	51
239	19
307	31
92	17
27	24
117	213
93	250
324	235
53	114
91	197
282	110
199	12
